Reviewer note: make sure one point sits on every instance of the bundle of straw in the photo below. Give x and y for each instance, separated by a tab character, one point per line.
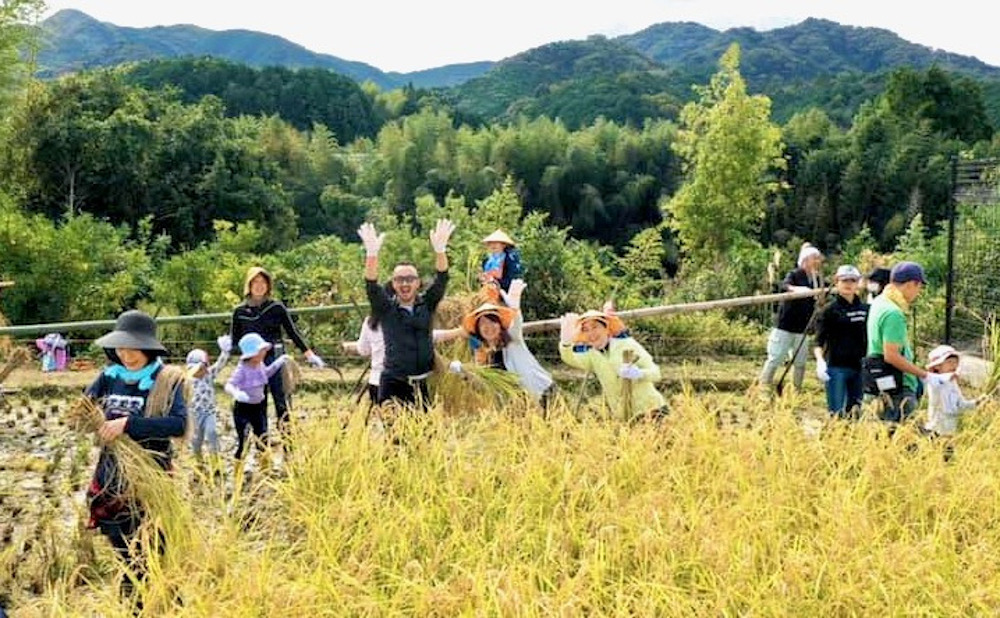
291	375
452	309
16	358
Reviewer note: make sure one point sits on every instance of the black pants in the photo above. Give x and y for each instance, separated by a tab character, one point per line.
403	390
276	387
249	416
121	534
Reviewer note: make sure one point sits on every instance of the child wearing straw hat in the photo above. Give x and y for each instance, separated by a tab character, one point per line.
501	265
597	341
141	398
247	384
203	405
497	340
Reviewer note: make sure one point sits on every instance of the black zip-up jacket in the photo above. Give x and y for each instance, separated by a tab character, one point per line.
793	315
409	345
267	320
841	332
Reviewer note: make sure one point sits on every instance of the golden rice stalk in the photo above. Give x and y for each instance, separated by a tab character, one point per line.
84	416
452	309
16	358
993	341
168	517
627	397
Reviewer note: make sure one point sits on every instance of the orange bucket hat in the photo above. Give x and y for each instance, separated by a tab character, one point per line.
505	315
612	322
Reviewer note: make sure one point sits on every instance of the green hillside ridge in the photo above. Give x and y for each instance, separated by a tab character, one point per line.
74	41
646	74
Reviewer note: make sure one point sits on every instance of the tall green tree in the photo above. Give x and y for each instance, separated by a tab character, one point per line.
730	149
17	18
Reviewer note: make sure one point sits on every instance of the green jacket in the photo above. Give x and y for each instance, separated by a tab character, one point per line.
605	365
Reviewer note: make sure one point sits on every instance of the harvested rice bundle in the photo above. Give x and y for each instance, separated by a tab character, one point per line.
291	376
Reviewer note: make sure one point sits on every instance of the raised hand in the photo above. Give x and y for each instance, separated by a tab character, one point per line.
568	328
441	234
371	239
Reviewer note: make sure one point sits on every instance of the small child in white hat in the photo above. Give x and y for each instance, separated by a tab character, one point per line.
945	402
203	407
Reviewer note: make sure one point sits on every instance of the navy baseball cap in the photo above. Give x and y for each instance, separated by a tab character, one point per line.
907	271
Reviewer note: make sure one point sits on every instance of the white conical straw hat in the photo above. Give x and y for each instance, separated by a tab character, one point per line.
500	236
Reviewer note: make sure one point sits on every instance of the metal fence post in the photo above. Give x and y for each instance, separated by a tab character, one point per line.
949	292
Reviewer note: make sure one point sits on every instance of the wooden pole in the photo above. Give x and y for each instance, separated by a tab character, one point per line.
708	305
539	326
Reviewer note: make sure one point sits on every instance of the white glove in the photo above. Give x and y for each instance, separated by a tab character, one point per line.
937	379
239	395
568	327
371	239
455	366
821	372
281	360
313	359
512	297
630	372
225	343
440	235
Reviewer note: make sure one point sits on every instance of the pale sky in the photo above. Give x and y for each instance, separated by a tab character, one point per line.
414	34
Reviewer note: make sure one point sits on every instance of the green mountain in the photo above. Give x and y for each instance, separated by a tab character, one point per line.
535	73
627	78
808	50
74	41
816	62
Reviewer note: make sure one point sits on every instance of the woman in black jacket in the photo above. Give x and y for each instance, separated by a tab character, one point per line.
269	318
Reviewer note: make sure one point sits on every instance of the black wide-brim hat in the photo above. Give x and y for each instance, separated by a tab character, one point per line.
133	329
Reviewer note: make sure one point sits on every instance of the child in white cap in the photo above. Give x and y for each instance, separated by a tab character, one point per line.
203	406
945	403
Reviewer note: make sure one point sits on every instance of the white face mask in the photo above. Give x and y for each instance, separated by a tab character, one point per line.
873	287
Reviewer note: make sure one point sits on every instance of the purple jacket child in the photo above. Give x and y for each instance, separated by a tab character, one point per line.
248	380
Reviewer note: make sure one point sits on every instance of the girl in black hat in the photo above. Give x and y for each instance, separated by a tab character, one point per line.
145	400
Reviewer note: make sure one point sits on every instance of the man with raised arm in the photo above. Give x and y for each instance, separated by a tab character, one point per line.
406	316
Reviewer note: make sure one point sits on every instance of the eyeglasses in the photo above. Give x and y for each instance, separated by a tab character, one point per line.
405	279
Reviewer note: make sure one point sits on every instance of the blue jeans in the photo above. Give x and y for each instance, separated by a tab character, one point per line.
843	390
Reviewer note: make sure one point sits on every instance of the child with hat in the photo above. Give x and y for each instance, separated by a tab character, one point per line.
145	400
203	404
246	385
597	341
501	265
945	403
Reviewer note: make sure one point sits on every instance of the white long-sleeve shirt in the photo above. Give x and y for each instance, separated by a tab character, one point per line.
945	404
370	343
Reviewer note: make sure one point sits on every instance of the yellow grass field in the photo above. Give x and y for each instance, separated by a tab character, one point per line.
734	506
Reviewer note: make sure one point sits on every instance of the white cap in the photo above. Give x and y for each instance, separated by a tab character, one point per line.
807	252
940	354
848	271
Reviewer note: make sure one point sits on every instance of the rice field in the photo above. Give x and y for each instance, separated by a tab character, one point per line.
734	506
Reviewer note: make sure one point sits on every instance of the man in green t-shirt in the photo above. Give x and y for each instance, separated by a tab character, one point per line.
889	338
